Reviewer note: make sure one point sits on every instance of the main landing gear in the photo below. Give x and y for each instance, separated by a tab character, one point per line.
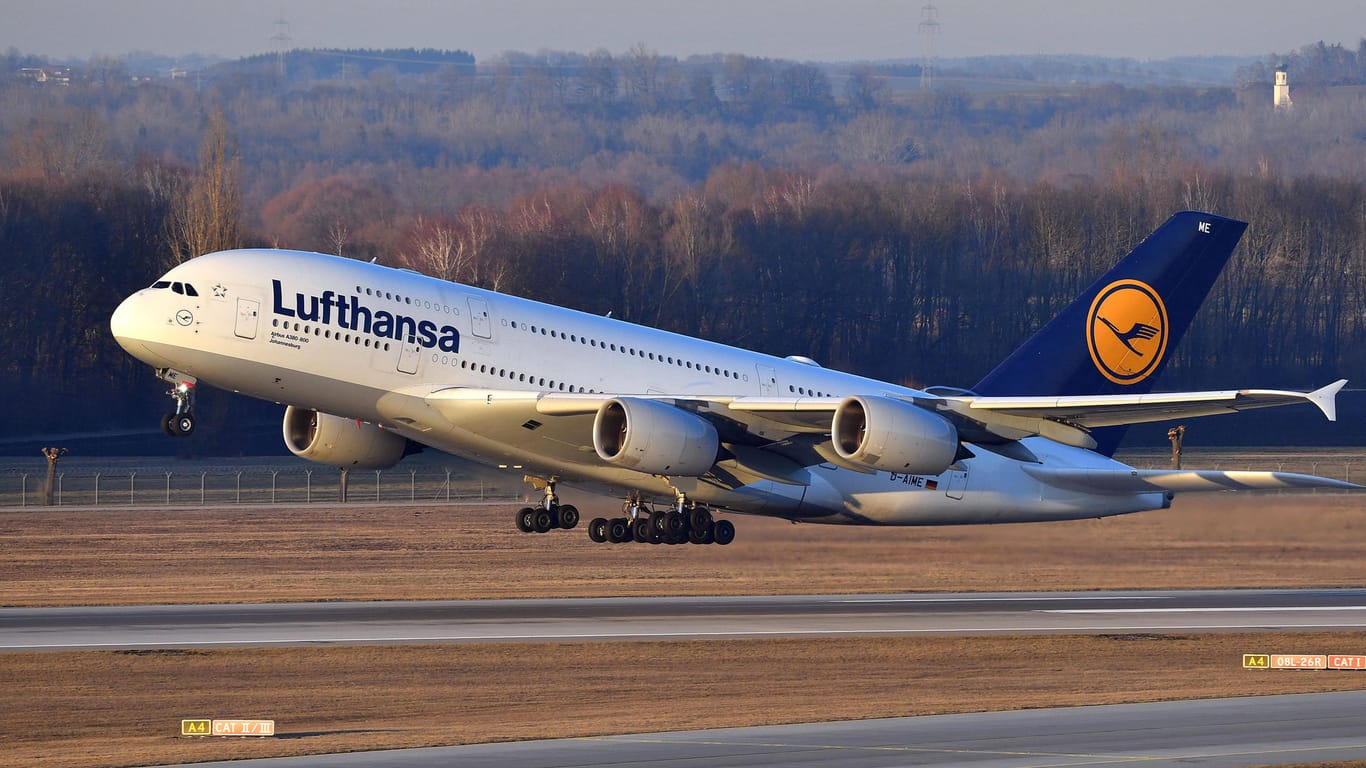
549	515
179	423
686	523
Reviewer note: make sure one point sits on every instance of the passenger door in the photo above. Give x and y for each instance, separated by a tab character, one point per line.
248	310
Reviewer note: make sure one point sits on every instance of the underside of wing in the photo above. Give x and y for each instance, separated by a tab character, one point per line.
1125	481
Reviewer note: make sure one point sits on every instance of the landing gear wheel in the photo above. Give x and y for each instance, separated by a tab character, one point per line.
700	519
526	519
182	424
569	516
166	427
617	530
723	532
640	530
699	535
676	524
597	530
543	521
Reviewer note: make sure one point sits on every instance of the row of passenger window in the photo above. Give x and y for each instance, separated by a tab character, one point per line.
328	333
424	303
631	351
503	373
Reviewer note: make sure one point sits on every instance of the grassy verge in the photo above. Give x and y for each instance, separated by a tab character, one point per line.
124	708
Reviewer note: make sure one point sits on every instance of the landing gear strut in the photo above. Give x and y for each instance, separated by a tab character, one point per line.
181	422
550	514
685	523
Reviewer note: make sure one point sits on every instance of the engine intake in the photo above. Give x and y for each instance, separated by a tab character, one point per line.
893	436
654	437
339	442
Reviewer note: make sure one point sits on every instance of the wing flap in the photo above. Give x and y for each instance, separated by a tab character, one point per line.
1123	481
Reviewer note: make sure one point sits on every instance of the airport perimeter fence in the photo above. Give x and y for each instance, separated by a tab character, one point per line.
89	481
89	484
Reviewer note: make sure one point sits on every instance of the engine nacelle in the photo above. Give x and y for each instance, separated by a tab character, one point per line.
339	442
893	436
654	437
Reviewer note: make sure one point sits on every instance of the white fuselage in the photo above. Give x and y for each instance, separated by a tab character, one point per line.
351	339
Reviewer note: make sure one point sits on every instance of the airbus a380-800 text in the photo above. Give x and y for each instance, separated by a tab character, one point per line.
372	362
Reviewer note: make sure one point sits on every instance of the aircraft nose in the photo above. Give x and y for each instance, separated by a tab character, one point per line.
125	322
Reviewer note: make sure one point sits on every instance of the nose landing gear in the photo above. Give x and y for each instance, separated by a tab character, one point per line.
181	422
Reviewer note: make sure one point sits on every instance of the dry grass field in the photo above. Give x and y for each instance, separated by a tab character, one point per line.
112	555
123	708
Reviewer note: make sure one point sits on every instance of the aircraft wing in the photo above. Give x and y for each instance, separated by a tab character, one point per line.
1125	481
559	426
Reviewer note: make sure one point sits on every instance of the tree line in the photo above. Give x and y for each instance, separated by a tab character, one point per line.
912	237
916	281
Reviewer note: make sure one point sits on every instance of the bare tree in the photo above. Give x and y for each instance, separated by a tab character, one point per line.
207	216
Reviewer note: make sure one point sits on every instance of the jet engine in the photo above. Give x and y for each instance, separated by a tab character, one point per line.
654	437
339	442
893	436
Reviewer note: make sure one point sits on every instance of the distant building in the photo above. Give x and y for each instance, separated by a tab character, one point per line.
46	75
1280	93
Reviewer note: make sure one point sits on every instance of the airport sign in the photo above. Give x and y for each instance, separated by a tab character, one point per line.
197	727
209	727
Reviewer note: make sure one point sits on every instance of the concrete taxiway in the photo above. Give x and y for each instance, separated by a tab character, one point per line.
1217	733
30	629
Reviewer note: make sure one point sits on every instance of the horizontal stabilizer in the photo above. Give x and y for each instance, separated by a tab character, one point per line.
1119	481
1092	411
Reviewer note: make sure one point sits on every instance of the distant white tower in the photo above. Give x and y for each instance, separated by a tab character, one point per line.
1280	93
281	39
929	29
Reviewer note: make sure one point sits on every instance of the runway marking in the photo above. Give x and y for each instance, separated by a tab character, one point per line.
1273	609
646	636
1035	598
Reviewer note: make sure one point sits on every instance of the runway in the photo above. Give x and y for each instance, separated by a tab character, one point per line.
576	620
1217	733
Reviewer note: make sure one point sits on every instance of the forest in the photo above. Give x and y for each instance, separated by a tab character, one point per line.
786	207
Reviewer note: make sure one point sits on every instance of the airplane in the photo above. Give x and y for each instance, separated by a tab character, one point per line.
373	363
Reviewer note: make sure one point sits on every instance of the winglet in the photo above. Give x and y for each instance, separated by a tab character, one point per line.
1326	398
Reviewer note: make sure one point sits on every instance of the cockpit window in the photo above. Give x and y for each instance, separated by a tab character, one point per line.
178	288
161	284
190	291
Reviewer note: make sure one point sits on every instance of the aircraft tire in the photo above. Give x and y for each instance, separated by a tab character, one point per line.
723	532
543	521
597	530
658	521
526	517
617	530
676	523
640	531
167	427
569	516
697	535
700	519
183	424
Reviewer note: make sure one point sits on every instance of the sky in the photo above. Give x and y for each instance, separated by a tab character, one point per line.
804	30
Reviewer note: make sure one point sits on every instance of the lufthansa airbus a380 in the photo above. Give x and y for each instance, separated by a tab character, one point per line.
372	362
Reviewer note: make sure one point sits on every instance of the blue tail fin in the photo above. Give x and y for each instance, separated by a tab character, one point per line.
1117	335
